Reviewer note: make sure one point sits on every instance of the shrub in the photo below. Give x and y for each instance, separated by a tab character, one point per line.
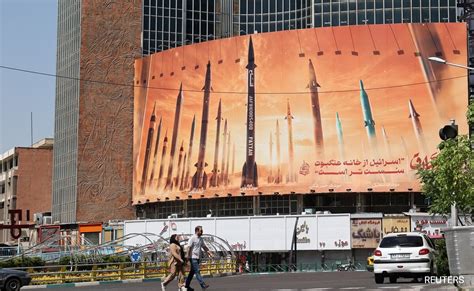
441	260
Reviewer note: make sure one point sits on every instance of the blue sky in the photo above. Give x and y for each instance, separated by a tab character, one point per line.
27	41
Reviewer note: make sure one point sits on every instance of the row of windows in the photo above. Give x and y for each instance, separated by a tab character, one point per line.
272	6
385	16
371	4
6	165
284	205
66	113
202	21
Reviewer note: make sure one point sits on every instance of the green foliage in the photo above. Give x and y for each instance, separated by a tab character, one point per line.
451	178
22	262
441	260
470	114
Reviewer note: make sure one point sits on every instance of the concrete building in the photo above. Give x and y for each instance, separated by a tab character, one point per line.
25	182
98	40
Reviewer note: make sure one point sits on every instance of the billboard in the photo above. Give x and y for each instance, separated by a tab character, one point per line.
395	224
431	225
366	233
354	108
334	232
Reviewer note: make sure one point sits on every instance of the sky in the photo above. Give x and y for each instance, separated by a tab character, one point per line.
27	41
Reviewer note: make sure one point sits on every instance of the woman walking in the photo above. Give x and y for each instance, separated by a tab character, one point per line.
176	263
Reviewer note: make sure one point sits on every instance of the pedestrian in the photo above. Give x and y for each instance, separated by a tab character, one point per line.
176	263
196	243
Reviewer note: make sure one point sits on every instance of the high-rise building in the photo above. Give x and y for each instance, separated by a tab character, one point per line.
98	42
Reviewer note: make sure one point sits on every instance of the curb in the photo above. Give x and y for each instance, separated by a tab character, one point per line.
96	283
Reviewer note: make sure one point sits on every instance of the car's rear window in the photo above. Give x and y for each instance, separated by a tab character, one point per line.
402	241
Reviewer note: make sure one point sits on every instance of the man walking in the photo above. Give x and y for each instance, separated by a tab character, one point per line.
195	244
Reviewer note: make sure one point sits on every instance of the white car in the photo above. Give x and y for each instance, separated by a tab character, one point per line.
409	255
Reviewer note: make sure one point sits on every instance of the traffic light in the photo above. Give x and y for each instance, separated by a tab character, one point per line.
448	131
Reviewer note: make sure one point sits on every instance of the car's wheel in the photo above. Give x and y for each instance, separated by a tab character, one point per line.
12	284
378	278
393	279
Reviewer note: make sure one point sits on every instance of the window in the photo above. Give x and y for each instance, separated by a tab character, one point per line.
403	241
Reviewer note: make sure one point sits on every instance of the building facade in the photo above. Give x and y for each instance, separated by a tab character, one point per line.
168	24
99	41
92	177
25	182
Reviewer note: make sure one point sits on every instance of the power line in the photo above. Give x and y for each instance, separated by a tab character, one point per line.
224	92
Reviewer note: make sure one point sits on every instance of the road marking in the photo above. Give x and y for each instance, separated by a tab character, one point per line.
390	287
352	288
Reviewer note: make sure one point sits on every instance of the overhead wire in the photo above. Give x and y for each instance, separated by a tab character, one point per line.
225	92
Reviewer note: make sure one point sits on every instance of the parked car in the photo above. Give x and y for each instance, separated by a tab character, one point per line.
408	255
13	280
370	264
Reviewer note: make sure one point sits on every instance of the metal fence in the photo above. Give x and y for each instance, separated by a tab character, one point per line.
118	271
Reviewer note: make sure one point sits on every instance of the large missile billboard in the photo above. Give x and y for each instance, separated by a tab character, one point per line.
365	124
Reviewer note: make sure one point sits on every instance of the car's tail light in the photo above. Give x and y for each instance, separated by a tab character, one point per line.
377	253
424	252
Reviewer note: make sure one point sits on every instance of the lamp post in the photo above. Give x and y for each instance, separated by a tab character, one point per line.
442	61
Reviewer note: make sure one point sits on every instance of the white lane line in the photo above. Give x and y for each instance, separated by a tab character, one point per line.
351	288
390	287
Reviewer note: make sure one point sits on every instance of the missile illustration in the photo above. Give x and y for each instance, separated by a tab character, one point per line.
233	158
214	181
415	120
182	182
180	161
199	180
369	122
291	152
157	144
162	162
177	119
318	128
340	137
190	153
270	175
429	75
222	175
386	141
226	173
249	170
277	136
151	129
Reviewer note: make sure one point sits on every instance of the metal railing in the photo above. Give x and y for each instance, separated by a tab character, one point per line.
315	267
117	271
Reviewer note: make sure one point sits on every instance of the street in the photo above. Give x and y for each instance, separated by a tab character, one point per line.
283	281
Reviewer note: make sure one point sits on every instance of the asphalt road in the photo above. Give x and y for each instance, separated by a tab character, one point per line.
282	282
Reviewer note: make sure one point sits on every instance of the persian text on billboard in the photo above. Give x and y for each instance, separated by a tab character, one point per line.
270	113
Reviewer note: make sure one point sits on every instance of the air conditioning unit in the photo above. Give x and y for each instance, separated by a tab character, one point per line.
38	218
309	210
47	220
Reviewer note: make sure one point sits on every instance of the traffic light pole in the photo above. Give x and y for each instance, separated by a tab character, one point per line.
468	16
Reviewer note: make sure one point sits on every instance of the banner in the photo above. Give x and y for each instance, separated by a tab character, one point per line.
312	110
366	233
395	225
430	225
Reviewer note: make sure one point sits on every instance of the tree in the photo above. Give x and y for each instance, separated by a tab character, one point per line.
450	179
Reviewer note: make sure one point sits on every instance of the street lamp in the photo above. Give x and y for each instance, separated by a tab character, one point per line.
443	61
